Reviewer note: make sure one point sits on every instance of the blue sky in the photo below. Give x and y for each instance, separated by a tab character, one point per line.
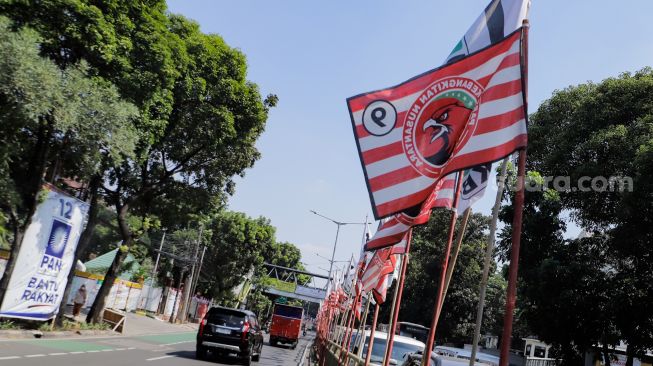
314	54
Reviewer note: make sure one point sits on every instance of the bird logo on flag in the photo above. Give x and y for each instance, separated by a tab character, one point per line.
439	130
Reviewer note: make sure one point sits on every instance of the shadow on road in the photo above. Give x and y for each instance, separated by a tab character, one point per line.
227	360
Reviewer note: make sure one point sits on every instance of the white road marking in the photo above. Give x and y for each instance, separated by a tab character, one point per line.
120	349
131	348
77	352
172	344
9	357
35	355
158	358
92	351
57	354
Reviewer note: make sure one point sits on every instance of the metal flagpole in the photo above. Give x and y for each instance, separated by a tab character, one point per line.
454	256
489	251
396	304
351	331
516	221
392	312
445	263
370	343
361	330
345	340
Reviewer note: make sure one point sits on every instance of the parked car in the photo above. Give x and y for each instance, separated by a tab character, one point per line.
466	354
401	347
226	331
415	359
286	324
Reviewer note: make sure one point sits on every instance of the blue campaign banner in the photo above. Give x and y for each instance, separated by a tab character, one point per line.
46	257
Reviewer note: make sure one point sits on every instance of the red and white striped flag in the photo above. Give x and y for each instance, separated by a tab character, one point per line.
381	264
466	113
392	230
381	289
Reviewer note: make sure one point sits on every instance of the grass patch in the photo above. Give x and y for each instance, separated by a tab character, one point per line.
8	325
74	326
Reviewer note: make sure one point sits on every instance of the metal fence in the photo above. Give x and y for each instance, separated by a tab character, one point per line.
536	361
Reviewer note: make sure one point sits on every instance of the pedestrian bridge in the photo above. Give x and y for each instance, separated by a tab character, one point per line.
294	284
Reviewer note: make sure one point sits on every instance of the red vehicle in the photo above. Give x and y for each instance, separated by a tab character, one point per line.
286	324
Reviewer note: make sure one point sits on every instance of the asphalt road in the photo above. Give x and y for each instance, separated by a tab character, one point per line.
152	350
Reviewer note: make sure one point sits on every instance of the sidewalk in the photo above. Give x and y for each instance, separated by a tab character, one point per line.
135	325
141	325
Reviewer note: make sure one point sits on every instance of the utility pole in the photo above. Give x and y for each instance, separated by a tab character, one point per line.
156	266
199	271
189	280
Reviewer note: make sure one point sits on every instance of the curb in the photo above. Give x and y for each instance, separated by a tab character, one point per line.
35	334
302	359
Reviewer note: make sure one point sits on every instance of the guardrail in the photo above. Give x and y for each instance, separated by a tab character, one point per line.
333	355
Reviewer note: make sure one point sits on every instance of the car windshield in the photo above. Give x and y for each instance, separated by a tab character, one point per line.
226	318
399	350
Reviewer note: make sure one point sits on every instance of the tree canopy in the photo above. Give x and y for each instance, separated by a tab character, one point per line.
595	289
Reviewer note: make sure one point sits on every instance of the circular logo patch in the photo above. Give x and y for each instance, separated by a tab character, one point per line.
442	118
379	117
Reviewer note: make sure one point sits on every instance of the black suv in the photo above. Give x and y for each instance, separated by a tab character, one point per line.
226	331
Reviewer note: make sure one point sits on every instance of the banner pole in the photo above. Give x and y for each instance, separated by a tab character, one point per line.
351	329
361	331
518	205
396	304
511	294
489	251
456	250
370	343
345	341
426	360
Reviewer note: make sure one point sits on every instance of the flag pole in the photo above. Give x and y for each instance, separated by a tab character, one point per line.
392	312
516	219
489	251
346	342
396	304
352	315
454	256
361	329
445	261
370	343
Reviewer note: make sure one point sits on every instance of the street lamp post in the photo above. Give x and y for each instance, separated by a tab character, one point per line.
335	243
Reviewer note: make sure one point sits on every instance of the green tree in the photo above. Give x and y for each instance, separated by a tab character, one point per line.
47	113
287	255
236	248
457	320
592	130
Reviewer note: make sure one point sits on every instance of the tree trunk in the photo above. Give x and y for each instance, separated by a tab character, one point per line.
37	165
606	354
97	309
84	240
629	355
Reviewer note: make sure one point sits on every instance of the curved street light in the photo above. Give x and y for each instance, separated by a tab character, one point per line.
335	243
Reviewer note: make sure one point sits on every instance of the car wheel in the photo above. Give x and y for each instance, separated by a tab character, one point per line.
273	342
200	352
247	361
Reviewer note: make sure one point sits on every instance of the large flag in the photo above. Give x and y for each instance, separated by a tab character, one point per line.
500	18
451	118
393	231
381	264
